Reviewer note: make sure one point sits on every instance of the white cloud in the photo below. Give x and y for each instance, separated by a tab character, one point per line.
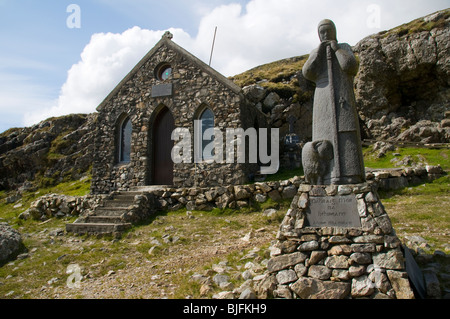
104	62
263	31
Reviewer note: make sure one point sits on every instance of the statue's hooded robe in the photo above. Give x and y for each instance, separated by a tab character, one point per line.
345	123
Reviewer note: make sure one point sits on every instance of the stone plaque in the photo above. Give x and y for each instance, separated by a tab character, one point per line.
333	211
162	90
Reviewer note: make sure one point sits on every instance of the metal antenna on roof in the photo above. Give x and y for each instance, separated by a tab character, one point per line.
212	48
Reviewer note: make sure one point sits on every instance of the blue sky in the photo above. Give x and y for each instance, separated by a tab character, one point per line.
48	69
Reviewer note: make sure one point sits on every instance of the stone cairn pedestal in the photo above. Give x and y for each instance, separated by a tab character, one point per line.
337	242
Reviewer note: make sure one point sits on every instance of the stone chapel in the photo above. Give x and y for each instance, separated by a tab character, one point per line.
169	88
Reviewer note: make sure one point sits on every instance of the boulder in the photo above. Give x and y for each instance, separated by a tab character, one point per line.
10	242
312	288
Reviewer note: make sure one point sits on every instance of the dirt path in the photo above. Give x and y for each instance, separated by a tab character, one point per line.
161	276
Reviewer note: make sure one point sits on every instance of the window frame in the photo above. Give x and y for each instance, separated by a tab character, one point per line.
121	159
200	117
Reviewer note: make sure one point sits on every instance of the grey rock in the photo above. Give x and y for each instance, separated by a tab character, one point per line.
248	293
271	100
356	271
286	276
309	246
341	262
432	285
254	93
380	280
319	272
361	258
270	212
10	242
224	295
400	284
265	287
316	256
260	198
392	259
284	261
311	288
362	287
289	192
220	279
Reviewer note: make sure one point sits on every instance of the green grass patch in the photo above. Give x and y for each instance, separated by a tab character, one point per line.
284	174
424	156
421	210
419	25
275	72
10	211
279	76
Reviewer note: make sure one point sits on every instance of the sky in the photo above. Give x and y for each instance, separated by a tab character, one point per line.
60	57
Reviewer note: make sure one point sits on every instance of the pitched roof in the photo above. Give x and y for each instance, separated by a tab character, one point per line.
166	41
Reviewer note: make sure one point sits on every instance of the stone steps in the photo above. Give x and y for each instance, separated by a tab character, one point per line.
110	211
116	203
96	228
107	219
104	219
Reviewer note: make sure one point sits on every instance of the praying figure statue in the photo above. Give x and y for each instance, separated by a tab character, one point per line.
333	66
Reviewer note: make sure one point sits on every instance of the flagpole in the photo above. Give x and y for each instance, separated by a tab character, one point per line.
212	48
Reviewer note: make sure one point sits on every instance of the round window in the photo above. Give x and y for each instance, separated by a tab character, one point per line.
164	72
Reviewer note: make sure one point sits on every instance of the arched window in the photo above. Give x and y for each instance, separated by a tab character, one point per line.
206	119
125	141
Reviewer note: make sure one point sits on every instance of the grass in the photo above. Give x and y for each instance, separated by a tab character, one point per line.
124	268
284	174
417	156
279	76
49	256
422	210
9	212
419	25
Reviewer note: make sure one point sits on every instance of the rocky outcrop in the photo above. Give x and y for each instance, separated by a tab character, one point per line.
10	242
402	87
47	152
403	84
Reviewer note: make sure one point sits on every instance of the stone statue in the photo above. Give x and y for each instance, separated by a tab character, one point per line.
316	159
332	66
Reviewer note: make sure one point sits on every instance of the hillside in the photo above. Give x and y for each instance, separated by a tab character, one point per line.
402	90
402	87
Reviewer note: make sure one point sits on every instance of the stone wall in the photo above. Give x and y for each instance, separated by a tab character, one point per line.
56	205
198	198
338	262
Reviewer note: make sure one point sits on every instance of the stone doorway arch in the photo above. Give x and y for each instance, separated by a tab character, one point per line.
162	144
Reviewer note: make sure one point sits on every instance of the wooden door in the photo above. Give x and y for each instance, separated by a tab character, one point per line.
162	148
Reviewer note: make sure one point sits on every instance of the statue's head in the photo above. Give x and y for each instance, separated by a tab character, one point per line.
327	30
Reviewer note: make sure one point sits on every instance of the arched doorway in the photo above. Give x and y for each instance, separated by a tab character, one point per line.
162	147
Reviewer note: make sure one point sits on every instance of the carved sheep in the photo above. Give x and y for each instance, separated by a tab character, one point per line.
316	160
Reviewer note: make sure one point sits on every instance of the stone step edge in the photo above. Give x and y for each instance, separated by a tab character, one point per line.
96	227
